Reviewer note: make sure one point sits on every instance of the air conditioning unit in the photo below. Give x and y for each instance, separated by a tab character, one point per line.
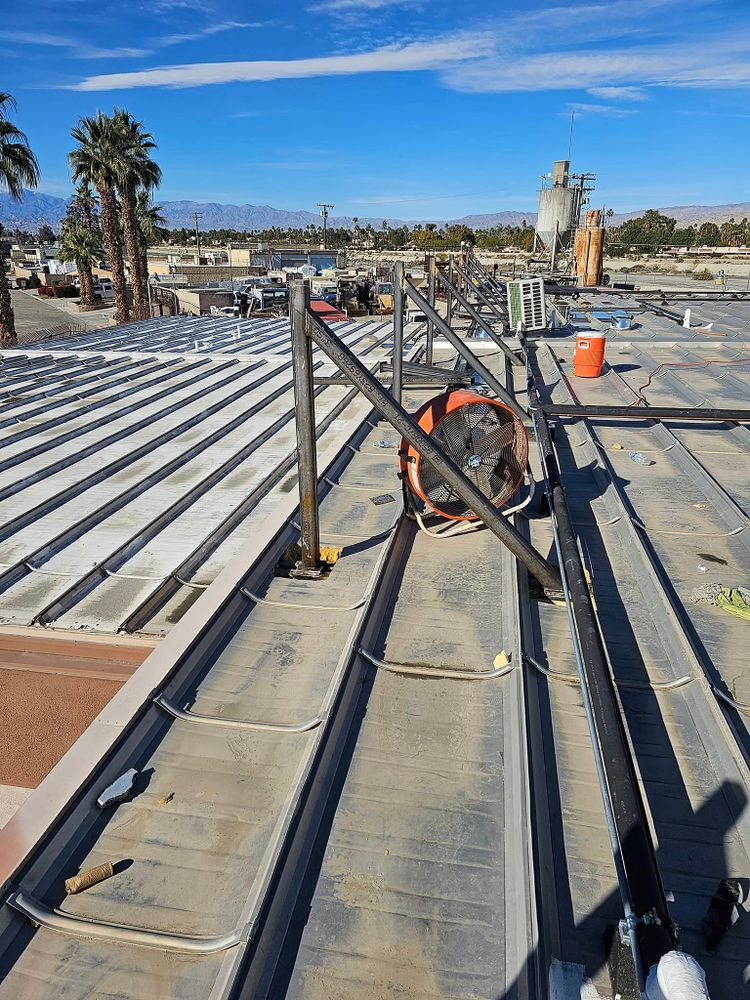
526	305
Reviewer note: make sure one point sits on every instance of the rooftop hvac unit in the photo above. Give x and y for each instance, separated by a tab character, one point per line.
526	304
484	438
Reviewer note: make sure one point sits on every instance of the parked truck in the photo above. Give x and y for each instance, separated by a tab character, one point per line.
262	299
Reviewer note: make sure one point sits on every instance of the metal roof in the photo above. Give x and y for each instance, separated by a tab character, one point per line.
651	535
131	458
328	807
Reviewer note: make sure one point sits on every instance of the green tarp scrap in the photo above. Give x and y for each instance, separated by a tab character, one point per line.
734	600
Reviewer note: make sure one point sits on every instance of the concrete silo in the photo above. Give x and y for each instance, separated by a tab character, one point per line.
558	209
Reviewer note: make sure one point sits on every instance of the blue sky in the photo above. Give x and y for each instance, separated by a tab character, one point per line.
400	108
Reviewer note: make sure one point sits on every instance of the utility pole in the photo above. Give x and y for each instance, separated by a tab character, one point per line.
324	207
197	216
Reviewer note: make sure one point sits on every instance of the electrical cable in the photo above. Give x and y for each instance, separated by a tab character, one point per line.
682	364
465	528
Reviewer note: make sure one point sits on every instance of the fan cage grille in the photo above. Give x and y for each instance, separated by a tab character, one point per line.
484	438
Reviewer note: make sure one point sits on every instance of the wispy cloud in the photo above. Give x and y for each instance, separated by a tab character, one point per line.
582	108
358	5
320	164
719	63
83	50
619	93
617	51
411	57
694	113
260	113
80	50
578	24
168	7
210	29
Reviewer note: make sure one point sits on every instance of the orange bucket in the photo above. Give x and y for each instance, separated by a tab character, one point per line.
588	356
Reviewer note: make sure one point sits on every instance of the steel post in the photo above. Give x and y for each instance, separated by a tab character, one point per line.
480	321
448	296
398	330
555	240
304	404
431	300
483	296
405	424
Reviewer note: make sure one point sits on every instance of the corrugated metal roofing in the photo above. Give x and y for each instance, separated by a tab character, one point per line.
438	866
130	460
652	535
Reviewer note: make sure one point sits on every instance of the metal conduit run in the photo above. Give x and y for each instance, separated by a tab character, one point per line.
699	413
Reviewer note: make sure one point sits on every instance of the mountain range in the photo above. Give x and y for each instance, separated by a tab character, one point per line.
36	209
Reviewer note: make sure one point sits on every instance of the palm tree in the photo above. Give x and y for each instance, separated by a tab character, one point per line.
94	162
81	240
18	168
83	209
79	244
134	170
151	227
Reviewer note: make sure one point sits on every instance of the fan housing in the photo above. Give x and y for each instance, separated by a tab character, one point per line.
484	438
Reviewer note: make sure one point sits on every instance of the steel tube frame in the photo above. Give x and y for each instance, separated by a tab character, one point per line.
466	353
492	290
482	272
398	330
478	290
431	300
304	403
622	881
697	413
482	322
644	886
404	423
673	295
448	295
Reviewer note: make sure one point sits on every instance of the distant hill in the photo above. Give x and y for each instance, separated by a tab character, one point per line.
32	211
492	219
37	209
692	215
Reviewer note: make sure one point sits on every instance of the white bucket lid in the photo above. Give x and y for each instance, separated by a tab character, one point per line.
591	335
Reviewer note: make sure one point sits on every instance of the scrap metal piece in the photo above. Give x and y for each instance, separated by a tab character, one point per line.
119	789
382	498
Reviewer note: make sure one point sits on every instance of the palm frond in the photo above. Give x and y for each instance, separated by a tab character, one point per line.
18	165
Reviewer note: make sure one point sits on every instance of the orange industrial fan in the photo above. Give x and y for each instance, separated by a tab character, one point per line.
484	438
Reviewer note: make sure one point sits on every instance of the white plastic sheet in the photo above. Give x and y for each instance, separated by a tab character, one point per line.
677	977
